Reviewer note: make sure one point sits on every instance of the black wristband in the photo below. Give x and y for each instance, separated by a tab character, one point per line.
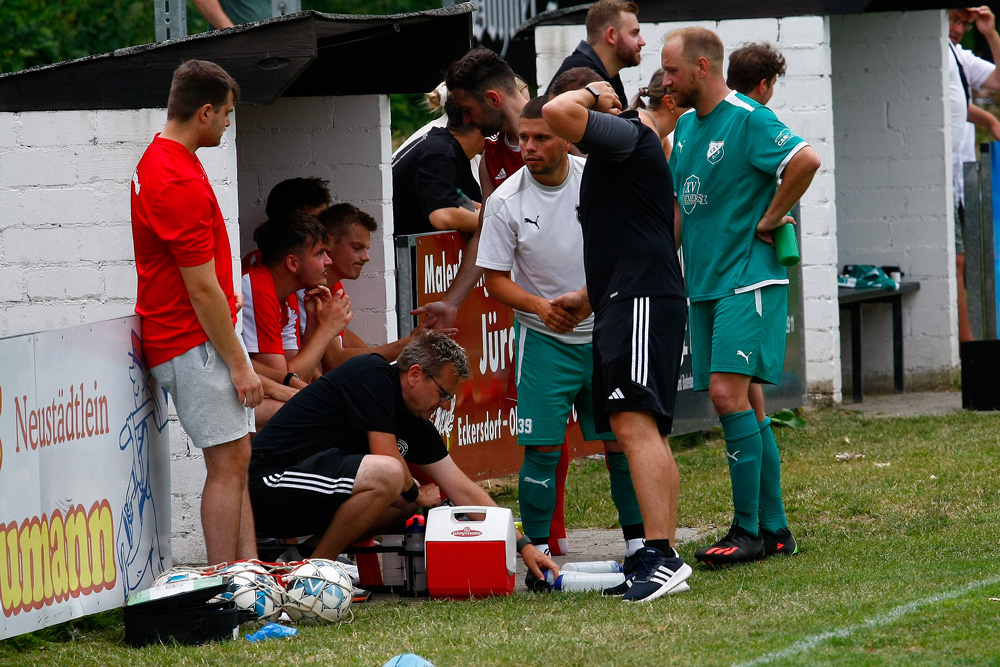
411	495
523	542
288	379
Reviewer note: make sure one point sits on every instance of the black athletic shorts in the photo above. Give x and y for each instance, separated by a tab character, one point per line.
637	358
301	500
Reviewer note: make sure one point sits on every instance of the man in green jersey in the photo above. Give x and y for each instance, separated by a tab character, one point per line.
726	160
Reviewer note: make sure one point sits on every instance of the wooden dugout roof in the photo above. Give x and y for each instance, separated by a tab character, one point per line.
307	54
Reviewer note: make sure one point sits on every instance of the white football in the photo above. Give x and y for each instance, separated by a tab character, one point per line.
176	574
318	591
252	588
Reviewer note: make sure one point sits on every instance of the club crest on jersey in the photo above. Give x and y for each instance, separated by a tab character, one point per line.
716	150
691	194
402	446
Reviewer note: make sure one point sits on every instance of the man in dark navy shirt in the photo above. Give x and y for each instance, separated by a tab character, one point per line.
636	290
332	461
613	43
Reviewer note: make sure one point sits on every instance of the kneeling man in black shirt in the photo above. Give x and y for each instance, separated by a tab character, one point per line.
332	461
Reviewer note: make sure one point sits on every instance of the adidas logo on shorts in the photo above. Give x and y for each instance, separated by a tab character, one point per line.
616	394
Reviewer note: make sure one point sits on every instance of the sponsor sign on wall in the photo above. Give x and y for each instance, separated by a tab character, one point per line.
84	474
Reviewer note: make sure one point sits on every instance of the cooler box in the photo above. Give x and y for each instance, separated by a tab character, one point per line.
470	558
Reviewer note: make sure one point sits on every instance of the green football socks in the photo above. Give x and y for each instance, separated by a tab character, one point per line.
622	491
536	492
772	510
743	453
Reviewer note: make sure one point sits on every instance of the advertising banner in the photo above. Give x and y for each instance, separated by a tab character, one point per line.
84	474
481	426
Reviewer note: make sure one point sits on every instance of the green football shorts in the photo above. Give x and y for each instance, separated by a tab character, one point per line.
743	333
552	376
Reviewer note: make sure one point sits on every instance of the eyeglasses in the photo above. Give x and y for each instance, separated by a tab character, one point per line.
445	396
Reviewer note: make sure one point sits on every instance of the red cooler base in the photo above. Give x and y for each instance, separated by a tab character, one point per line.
461	570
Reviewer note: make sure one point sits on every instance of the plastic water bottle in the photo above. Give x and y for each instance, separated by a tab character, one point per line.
786	245
536	585
464	201
393	568
414	543
600	566
587	581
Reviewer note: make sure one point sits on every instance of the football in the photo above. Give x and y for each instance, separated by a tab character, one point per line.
252	588
318	591
176	574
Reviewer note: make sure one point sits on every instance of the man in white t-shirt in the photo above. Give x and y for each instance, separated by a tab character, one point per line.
532	251
966	72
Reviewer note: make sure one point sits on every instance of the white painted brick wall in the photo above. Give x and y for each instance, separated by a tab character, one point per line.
347	141
804	101
66	243
894	185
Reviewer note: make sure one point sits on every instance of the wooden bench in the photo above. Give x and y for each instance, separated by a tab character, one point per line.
852	300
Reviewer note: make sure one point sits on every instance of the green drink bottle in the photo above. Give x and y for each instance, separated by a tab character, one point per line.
786	245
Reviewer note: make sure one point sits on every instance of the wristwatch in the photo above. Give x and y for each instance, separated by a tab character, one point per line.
593	91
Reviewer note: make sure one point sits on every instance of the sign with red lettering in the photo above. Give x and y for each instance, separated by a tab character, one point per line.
84	474
481	426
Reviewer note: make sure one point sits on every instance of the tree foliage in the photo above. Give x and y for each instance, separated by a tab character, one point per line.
42	32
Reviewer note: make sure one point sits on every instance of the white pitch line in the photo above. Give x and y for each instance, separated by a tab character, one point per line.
892	616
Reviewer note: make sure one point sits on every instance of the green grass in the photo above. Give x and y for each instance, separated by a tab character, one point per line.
895	547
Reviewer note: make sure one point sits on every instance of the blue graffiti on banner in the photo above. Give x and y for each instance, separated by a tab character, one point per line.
138	539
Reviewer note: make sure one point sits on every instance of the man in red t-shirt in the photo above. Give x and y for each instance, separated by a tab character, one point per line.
187	302
350	231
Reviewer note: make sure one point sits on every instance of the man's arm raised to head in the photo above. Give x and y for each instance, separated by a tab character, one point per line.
986	25
212	310
568	114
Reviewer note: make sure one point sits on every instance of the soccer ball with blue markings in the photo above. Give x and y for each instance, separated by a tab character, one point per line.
318	591
251	587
